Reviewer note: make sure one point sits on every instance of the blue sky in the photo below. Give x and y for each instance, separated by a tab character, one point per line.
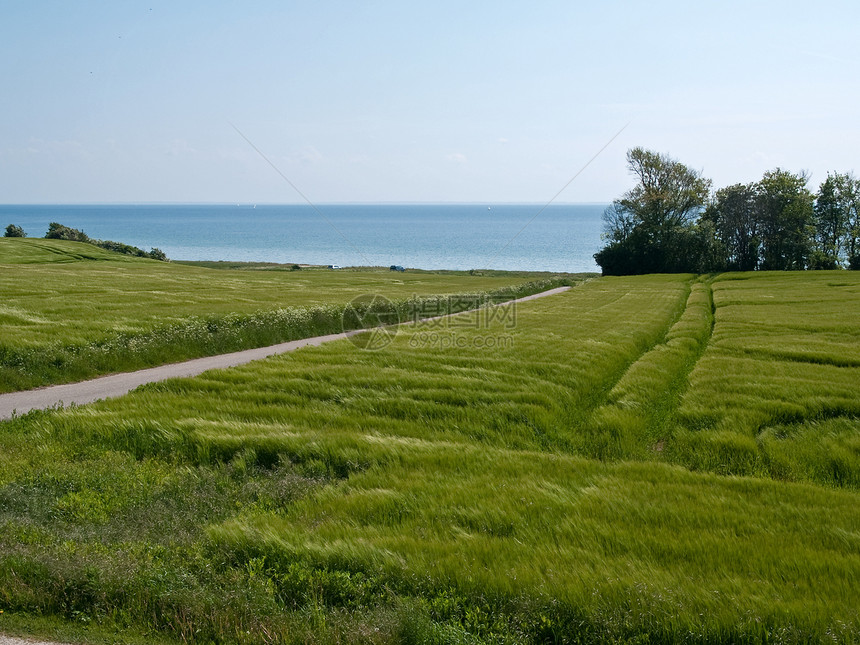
425	102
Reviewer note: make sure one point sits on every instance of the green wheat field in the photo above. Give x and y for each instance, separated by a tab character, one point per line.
71	311
652	459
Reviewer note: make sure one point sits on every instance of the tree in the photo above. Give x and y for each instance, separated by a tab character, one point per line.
14	231
736	216
837	227
786	220
830	223
851	243
649	227
705	250
57	231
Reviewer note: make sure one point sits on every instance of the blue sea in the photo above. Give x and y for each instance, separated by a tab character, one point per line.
561	237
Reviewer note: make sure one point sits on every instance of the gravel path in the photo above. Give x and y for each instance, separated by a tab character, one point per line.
11	640
107	387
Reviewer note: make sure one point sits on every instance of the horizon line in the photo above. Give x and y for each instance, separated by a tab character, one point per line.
333	203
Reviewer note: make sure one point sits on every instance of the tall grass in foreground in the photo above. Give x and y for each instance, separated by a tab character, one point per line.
99	538
436	490
580	551
441	542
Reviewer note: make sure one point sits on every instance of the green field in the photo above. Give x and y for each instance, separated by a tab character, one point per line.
643	459
71	311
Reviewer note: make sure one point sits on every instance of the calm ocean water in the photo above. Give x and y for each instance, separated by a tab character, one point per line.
449	236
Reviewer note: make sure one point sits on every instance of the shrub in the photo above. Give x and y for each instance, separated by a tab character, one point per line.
14	231
57	231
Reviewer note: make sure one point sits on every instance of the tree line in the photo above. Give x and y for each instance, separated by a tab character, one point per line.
671	222
58	231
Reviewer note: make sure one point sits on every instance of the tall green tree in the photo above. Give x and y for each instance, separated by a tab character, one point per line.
736	216
837	221
852	234
831	222
649	228
786	220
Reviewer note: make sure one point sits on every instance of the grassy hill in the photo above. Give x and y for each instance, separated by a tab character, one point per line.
71	311
644	459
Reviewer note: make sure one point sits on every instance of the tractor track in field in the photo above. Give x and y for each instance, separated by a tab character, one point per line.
603	400
661	412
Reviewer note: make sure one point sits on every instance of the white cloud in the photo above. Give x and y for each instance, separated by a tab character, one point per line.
457	157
